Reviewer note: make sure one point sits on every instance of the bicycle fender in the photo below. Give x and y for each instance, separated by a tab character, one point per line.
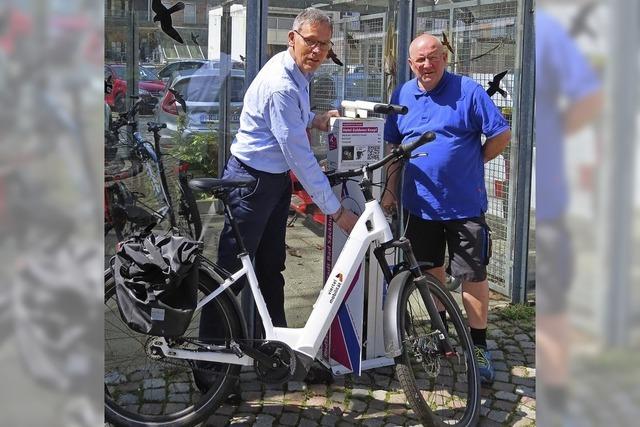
391	319
204	271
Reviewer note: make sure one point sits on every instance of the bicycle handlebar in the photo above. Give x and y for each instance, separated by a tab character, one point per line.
375	107
126	117
399	152
155	127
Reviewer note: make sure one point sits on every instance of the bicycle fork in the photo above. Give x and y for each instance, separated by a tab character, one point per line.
405	245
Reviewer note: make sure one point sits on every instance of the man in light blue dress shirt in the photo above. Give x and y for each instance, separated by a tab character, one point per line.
271	141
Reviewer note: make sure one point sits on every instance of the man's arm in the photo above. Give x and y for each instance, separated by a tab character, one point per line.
494	146
291	133
345	218
390	196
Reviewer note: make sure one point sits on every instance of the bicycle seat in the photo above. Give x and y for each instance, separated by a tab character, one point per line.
212	184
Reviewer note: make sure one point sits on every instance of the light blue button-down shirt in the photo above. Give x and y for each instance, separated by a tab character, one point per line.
273	128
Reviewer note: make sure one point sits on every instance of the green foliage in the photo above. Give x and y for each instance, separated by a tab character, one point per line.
516	312
199	150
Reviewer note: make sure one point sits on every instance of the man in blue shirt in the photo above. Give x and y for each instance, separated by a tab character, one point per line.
444	193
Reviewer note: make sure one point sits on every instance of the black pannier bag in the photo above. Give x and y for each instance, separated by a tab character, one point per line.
157	283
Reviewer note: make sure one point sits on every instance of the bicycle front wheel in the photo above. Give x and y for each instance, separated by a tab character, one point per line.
441	390
142	388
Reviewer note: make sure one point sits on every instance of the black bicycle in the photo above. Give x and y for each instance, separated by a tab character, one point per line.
125	210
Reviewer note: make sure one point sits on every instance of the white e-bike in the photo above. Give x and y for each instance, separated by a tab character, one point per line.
152	380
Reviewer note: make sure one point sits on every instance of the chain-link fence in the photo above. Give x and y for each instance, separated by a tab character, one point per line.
359	44
482	39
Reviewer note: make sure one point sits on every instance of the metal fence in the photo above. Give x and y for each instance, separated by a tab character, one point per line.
359	44
483	35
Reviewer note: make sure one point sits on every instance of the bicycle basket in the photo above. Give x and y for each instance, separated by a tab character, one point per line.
157	283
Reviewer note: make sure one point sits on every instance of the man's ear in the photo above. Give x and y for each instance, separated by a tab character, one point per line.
291	40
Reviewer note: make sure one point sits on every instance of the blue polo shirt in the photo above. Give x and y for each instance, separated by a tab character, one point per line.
448	183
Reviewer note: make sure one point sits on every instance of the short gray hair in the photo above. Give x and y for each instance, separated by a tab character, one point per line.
311	16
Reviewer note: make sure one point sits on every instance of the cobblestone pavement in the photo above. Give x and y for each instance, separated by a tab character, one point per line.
375	398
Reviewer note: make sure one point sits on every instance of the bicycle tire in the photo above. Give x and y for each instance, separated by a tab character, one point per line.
439	390
188	209
142	391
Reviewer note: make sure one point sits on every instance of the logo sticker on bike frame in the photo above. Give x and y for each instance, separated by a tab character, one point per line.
335	286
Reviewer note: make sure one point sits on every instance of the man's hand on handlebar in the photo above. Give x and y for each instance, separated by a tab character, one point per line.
345	219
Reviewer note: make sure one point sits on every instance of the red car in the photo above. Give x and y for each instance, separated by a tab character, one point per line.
149	86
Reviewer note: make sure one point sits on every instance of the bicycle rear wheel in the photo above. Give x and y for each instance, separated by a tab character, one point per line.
441	390
143	389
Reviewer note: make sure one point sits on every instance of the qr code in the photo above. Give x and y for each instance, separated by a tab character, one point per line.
373	152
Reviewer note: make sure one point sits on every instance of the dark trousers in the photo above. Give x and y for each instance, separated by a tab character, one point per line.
261	211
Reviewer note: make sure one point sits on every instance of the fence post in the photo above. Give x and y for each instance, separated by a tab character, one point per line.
524	136
404	27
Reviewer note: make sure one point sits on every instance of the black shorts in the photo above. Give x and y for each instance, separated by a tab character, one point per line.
468	240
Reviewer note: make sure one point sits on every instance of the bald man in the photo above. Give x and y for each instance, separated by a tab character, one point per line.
444	196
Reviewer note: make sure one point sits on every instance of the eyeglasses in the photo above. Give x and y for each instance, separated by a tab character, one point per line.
315	43
421	60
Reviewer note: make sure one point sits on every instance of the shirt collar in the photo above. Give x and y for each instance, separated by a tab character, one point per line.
418	92
292	69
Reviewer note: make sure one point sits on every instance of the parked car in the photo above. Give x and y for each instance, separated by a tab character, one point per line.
149	86
200	90
189	64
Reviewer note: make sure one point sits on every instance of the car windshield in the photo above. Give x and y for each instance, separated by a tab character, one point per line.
147	74
207	88
144	74
118	70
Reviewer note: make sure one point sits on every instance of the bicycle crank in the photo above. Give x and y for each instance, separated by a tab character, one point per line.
278	366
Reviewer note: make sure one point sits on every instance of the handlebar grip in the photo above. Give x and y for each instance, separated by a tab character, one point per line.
390	109
424	138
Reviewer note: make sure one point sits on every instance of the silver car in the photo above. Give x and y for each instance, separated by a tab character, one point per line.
200	90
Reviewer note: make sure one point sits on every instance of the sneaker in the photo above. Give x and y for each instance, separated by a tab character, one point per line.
487	373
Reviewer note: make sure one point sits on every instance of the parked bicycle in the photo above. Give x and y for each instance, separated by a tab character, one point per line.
151	380
125	212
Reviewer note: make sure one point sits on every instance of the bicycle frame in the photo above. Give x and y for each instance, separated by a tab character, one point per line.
371	226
